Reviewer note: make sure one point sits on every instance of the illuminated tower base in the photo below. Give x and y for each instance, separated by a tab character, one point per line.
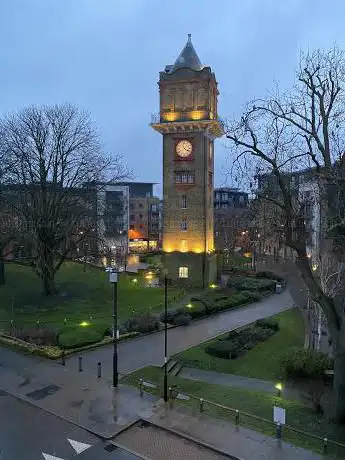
191	269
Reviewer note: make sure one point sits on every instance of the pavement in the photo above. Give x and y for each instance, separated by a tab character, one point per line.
242	443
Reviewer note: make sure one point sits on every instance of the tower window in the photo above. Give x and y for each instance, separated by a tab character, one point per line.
184	202
183	272
184	246
183	225
184	177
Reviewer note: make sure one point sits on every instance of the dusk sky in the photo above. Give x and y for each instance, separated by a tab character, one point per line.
105	56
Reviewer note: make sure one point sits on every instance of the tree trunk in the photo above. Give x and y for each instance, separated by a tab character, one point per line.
47	273
48	283
2	271
339	383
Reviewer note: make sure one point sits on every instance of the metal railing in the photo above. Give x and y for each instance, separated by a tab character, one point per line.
167	117
328	447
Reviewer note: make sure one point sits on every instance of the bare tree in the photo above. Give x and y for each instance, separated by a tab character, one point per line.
53	152
229	225
304	128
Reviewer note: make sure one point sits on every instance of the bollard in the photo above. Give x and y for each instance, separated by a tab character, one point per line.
237	417
170	397
38	324
65	321
141	384
325	445
279	431
63	360
80	364
99	370
201	405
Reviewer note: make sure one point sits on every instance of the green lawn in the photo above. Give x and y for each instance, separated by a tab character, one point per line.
81	296
260	404
261	362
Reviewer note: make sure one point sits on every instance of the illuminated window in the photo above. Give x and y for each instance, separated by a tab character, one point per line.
184	202
184	246
183	225
183	272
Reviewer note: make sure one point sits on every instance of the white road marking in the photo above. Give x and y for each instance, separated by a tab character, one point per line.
78	446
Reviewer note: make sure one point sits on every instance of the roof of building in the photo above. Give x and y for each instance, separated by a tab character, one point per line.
230	190
136	183
188	58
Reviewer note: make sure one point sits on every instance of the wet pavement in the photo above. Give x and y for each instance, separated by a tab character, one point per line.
27	432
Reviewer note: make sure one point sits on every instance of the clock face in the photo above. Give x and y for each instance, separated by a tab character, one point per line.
184	148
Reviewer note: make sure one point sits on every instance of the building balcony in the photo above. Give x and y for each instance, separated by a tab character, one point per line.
192	115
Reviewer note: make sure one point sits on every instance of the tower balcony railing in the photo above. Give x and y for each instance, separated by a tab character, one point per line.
191	115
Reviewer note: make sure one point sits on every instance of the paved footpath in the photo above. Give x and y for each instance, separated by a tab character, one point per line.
149	350
232	380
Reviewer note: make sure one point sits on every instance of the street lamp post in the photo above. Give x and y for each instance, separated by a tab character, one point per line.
165	338
113	280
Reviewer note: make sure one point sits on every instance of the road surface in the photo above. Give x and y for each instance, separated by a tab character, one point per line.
27	432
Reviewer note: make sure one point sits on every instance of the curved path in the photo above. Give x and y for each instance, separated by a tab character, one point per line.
149	350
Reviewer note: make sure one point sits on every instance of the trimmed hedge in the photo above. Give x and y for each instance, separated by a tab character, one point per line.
142	323
239	342
197	310
299	363
269	275
253	284
268	323
181	320
210	302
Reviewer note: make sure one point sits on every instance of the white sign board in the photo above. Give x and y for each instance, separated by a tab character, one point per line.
279	415
113	277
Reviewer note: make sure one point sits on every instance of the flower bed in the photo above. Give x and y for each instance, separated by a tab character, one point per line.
239	342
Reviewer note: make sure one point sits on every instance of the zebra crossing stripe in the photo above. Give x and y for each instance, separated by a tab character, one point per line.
51	457
78	446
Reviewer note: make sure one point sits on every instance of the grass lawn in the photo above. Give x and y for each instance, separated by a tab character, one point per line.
81	296
260	404
262	361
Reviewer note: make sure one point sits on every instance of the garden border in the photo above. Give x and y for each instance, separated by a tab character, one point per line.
57	353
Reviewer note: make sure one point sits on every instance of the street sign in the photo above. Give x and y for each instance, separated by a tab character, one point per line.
113	277
279	415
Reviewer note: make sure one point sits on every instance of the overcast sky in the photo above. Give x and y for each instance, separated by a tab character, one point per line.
105	56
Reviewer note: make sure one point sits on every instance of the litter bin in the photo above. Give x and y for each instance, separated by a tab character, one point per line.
279	288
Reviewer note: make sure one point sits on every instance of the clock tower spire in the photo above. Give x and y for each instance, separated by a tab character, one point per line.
188	121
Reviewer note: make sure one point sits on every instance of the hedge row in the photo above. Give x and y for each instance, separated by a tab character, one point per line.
239	342
253	284
298	363
73	336
207	304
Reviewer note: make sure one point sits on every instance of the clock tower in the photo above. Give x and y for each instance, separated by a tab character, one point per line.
189	124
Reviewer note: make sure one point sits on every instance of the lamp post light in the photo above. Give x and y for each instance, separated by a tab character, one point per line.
165	337
113	278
